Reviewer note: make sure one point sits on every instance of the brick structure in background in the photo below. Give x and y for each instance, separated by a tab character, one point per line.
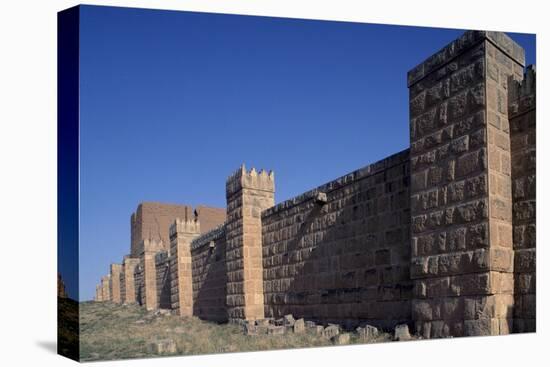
521	112
182	232
152	221
248	194
440	236
114	282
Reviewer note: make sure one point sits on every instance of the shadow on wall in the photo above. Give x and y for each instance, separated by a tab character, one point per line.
210	284
345	261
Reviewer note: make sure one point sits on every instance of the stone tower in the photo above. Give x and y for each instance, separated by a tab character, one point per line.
115	283
182	233
149	269
248	194
461	194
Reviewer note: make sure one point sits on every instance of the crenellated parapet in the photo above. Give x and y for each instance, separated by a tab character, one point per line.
183	226
243	179
150	245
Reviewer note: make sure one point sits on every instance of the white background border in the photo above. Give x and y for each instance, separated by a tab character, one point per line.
28	180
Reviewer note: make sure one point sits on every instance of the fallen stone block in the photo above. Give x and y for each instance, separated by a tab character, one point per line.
401	332
299	326
166	346
288	320
341	339
331	331
250	329
367	333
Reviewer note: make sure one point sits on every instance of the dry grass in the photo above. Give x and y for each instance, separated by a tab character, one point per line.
110	331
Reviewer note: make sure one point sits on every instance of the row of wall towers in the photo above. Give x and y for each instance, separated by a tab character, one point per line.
440	236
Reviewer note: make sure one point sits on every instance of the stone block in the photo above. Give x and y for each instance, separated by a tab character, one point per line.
341	339
166	346
367	333
401	332
299	326
330	331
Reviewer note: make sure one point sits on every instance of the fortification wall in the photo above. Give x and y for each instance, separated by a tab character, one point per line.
139	284
210	275
441	235
346	260
162	268
522	114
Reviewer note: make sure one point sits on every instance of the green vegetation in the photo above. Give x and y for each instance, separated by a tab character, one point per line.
110	331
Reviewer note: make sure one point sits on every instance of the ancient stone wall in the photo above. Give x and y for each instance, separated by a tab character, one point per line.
462	258
152	221
209	271
522	114
163	286
440	236
139	284
127	281
342	256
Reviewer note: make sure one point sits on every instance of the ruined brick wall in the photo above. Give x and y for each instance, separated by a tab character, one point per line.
522	114
462	258
210	275
152	221
346	260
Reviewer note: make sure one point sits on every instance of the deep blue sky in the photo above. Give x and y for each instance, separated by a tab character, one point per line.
173	102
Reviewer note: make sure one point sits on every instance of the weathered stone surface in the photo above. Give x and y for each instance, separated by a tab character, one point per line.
299	326
166	346
367	333
288	320
331	331
341	339
401	332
